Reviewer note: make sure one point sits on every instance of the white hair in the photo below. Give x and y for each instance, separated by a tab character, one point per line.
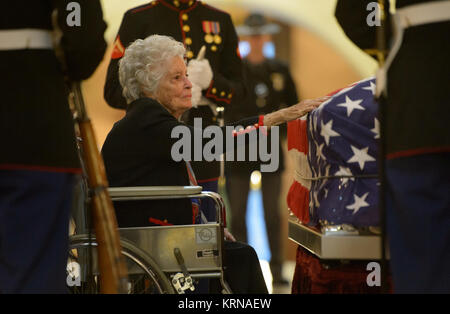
145	63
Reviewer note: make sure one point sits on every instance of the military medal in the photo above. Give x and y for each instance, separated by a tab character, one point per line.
209	38
212	30
217	39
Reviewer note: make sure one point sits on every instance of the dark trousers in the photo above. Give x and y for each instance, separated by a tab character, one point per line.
238	189
242	270
34	228
418	222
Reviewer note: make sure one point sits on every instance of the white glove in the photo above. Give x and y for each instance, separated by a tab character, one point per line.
200	73
196	92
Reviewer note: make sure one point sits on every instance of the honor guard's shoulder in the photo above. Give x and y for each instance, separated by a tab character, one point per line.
143	8
219	13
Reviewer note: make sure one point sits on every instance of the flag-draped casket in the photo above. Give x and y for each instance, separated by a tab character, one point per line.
335	152
335	182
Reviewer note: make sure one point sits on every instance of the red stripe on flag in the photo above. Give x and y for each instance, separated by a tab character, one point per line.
297	137
298	201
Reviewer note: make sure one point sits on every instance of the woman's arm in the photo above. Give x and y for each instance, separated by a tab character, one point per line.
191	142
293	112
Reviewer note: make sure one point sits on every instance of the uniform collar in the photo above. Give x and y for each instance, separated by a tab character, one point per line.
179	5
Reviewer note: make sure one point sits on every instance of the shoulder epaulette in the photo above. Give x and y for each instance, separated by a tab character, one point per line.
213	8
143	7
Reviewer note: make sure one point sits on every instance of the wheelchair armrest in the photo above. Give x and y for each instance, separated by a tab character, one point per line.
136	193
143	191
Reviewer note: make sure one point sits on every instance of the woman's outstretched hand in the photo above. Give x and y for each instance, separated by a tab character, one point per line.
293	112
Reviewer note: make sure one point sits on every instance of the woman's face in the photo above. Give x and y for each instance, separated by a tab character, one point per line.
174	89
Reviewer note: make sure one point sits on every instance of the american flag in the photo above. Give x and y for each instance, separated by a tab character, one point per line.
336	168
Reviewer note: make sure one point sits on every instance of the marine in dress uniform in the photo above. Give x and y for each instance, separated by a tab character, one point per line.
269	87
196	24
38	159
417	140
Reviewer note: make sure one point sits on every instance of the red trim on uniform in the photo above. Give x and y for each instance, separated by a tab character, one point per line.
213	8
159	222
118	49
211	95
177	9
418	151
39	168
183	34
207	180
225	100
190	8
180	19
151	5
169	5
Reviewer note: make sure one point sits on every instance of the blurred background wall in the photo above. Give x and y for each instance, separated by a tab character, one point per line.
321	58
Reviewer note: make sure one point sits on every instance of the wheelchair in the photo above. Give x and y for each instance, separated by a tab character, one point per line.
159	259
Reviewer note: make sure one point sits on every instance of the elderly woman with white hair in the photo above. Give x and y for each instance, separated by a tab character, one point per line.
137	151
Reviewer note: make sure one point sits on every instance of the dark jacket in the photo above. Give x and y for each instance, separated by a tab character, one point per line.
137	152
194	23
417	110
36	126
270	87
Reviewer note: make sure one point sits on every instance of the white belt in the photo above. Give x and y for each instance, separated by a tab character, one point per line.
413	15
28	38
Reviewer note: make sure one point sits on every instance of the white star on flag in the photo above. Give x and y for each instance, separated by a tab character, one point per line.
376	128
360	156
316	201
327	131
371	88
344	171
326	174
359	202
319	149
351	105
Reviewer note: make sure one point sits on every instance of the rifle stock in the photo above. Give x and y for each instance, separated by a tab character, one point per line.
113	271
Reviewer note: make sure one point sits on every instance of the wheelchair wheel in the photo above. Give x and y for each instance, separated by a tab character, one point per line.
144	275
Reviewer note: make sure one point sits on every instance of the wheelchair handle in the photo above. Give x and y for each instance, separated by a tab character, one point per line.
139	193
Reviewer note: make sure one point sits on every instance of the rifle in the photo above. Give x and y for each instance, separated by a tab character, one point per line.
382	51
112	267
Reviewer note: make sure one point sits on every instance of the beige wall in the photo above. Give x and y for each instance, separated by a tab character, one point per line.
102	115
317	68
